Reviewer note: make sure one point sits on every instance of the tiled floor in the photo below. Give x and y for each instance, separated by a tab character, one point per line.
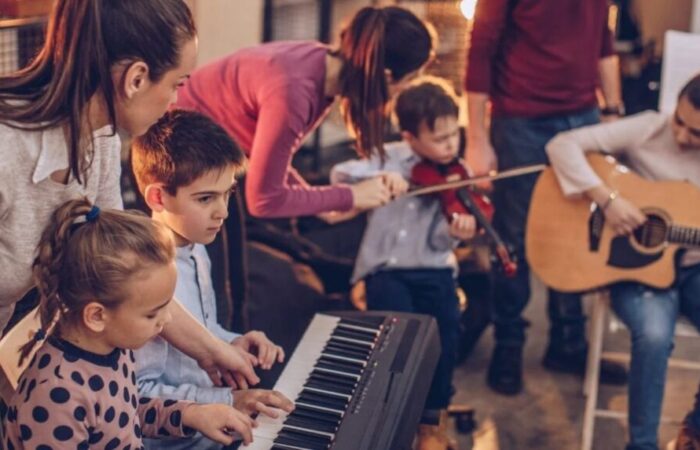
548	415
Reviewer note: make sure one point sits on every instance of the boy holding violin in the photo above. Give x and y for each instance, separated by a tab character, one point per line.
406	258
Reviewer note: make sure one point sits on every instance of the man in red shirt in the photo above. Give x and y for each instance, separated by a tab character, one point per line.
539	63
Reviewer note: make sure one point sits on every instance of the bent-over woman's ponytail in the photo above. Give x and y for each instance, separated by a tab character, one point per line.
377	40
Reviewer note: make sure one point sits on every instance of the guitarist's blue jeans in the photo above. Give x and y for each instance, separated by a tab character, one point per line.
520	141
650	314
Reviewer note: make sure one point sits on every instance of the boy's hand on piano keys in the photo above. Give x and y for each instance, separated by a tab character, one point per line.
218	421
256	342
263	401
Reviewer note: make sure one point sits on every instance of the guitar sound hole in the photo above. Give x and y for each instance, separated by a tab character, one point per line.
653	232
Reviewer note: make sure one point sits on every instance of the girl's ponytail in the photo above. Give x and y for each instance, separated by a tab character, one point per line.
88	255
48	263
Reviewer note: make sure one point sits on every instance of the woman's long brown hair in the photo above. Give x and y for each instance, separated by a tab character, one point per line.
375	40
84	40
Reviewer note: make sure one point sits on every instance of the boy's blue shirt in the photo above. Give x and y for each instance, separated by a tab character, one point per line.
407	233
163	370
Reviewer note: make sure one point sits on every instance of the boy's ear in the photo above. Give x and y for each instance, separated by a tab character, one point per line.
135	79
408	136
154	195
95	316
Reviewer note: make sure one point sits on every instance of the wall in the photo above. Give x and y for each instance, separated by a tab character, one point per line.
657	16
695	18
226	25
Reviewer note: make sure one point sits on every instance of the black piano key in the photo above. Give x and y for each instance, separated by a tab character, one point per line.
366	330
316	415
327	402
342	360
287	447
306	407
344	379
331	395
329	387
343	366
340	406
349	347
302	438
312	436
353	342
350	334
336	373
365	321
338	366
333	350
319	376
311	424
356	366
300	443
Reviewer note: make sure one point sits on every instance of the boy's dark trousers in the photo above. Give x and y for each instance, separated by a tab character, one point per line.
423	291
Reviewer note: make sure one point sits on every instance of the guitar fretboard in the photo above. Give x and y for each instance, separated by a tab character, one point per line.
688	236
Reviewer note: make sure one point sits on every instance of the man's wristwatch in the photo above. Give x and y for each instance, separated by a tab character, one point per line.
615	110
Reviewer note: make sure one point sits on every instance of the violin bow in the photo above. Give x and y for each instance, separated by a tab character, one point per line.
475	180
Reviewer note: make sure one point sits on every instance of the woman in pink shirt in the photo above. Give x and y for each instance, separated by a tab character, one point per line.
270	97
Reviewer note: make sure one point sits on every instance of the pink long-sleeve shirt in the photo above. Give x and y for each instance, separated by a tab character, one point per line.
269	98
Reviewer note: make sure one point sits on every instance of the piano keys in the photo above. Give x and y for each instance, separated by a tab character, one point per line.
359	381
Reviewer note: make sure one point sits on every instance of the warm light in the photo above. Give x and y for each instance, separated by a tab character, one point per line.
468	7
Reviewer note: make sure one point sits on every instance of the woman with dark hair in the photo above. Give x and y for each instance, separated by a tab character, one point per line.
106	67
271	96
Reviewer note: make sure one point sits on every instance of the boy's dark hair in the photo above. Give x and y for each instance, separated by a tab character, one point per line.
181	147
427	99
691	91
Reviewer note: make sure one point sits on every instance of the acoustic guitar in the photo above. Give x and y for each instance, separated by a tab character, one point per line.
570	247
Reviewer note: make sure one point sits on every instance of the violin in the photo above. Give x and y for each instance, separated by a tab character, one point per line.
463	199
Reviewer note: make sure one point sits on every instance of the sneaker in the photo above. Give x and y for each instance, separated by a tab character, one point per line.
505	374
575	363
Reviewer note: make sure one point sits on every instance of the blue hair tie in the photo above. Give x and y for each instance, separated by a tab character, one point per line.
39	335
92	215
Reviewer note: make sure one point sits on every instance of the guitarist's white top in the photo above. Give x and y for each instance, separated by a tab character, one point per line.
644	142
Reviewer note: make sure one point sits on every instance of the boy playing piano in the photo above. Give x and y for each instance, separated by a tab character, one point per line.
186	168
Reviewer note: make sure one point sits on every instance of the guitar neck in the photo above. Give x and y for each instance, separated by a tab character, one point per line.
684	236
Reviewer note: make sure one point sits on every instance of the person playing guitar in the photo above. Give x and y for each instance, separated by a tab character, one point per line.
658	147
